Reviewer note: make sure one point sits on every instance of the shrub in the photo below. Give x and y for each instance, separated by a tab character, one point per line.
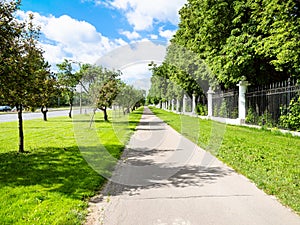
292	118
201	110
235	113
223	110
266	120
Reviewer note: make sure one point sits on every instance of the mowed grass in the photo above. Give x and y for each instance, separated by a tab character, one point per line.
52	183
270	159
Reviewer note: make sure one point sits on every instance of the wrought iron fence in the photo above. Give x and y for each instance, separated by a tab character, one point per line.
188	104
225	104
272	99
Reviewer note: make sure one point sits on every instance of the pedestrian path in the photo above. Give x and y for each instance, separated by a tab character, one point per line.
163	178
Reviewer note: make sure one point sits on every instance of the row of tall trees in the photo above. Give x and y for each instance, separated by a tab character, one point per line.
26	79
257	41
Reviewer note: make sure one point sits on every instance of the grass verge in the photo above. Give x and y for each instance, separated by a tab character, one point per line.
270	160
52	183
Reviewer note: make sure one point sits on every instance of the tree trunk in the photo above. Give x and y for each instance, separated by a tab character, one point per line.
21	133
71	107
92	119
105	114
44	112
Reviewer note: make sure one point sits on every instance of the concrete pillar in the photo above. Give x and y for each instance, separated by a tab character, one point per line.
210	102
177	105
194	104
173	101
242	100
184	104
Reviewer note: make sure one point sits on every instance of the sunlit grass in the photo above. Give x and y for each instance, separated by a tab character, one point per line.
52	183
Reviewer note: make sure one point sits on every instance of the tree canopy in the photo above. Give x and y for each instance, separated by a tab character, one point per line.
220	43
257	39
22	65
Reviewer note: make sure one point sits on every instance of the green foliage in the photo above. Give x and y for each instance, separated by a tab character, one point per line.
291	120
105	89
130	97
159	83
103	86
251	117
23	70
201	110
215	111
68	80
223	110
236	38
266	120
182	71
269	159
52	183
235	113
107	93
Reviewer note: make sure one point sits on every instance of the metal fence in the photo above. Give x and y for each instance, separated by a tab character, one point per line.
272	99
188	104
225	104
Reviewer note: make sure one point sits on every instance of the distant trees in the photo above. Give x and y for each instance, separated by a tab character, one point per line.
104	88
50	90
23	70
68	80
129	97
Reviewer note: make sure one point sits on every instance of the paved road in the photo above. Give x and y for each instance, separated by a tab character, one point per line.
29	116
164	178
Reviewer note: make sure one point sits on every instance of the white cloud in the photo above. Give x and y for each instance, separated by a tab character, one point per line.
142	14
138	75
131	35
65	37
134	53
136	71
153	36
120	42
168	34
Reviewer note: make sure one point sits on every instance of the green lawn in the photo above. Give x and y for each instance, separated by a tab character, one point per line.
52	183
270	159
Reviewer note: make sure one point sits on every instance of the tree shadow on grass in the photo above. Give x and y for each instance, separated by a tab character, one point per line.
55	169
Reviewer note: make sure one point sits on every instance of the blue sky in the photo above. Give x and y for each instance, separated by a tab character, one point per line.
86	30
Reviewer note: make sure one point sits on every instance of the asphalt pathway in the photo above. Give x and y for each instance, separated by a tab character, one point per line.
163	178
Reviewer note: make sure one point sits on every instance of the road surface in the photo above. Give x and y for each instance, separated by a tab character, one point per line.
36	115
163	178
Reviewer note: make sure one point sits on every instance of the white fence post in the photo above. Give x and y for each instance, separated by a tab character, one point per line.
194	104
184	104
173	101
242	100
177	105
210	102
